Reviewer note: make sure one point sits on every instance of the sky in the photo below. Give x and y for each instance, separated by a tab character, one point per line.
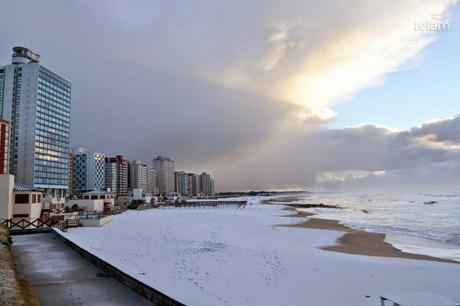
263	94
430	85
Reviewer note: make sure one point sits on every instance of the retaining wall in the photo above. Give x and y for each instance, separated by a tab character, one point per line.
139	287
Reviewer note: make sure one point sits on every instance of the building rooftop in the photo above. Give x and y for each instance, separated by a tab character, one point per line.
97	192
163	158
23	52
24	187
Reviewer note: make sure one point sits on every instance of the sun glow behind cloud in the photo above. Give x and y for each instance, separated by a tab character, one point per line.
364	45
343	176
250	85
306	57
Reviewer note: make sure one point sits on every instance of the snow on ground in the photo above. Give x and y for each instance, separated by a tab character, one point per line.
230	256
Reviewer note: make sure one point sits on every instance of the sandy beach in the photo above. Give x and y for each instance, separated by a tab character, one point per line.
195	256
355	241
297	213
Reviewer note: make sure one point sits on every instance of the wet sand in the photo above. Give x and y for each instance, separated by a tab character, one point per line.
355	241
297	213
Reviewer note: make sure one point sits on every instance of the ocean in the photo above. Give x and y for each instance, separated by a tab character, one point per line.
419	222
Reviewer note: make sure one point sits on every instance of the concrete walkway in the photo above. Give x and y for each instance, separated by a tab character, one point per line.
60	276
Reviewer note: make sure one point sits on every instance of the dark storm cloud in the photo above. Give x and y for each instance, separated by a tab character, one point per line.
440	130
364	156
133	90
205	83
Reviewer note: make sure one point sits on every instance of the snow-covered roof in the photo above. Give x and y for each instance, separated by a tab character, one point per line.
97	192
24	187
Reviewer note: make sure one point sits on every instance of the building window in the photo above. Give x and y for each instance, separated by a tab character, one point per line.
34	198
21	199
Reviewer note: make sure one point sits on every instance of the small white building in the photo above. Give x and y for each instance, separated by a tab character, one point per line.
27	202
138	194
172	197
89	205
52	202
19	201
93	201
106	196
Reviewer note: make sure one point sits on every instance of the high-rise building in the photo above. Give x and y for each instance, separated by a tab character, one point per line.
116	170
194	181
182	183
36	102
206	184
164	169
89	171
129	184
71	173
138	175
4	146
110	176
151	181
142	177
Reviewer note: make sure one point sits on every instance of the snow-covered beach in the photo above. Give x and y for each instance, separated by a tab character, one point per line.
230	256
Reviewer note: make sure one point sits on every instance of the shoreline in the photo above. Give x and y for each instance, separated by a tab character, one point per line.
200	255
355	241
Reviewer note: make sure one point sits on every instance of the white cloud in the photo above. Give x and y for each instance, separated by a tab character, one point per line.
365	156
343	176
318	55
241	89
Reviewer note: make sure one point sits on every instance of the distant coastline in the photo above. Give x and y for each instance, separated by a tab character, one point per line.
263	193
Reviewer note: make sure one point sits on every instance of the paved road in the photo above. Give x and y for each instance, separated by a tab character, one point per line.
60	276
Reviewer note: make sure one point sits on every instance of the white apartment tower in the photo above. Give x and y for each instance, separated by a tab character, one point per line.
164	169
138	175
206	184
151	181
142	176
36	101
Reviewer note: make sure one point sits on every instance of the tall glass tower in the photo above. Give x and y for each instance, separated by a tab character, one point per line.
89	171
36	101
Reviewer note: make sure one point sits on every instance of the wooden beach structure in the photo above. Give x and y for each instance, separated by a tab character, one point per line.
204	204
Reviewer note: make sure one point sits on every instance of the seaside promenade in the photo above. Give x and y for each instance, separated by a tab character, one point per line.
60	276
